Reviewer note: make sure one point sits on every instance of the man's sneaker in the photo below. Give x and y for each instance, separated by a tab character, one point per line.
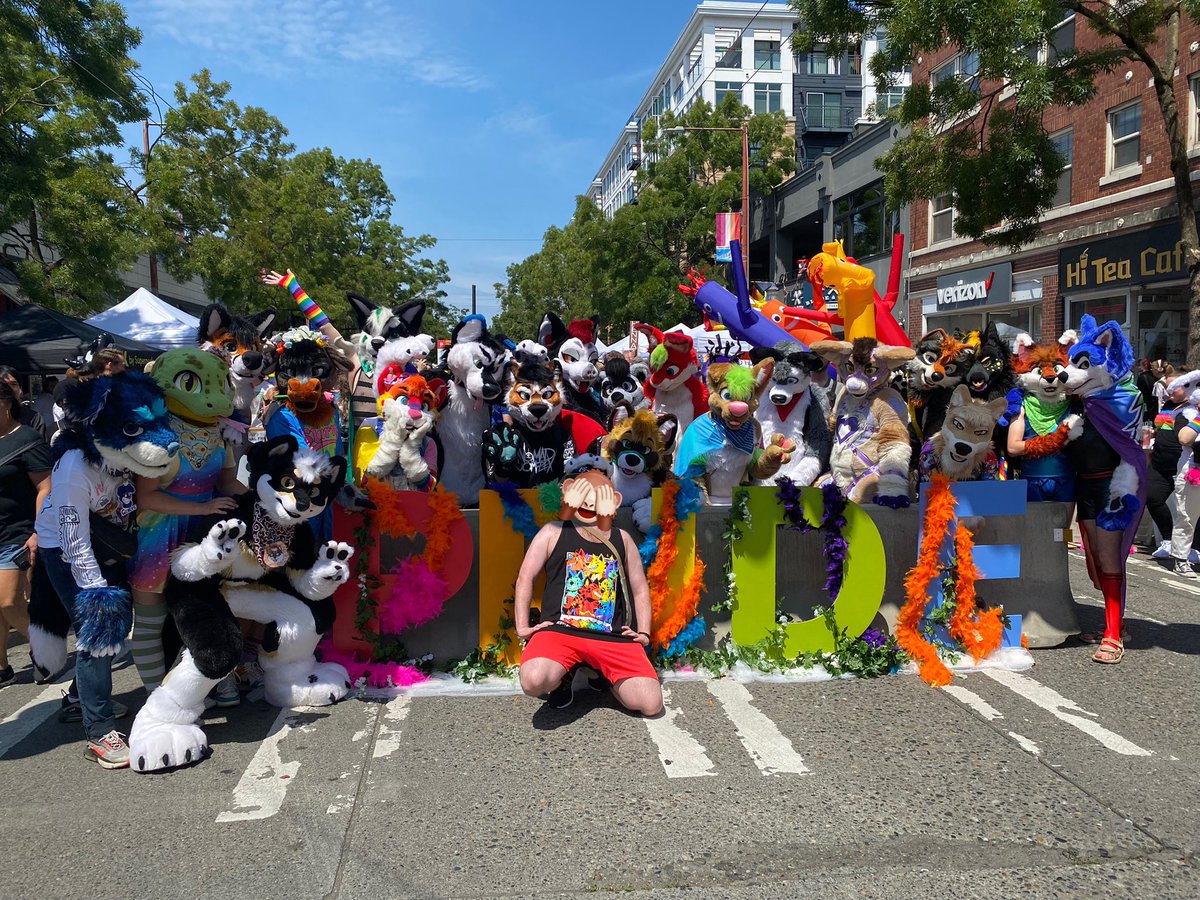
563	695
7	675
1163	551
72	712
226	692
110	751
1183	569
249	676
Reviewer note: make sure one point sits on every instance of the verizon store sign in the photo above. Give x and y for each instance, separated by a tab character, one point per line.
975	287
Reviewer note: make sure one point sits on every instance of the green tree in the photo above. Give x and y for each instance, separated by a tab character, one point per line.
229	197
983	140
66	87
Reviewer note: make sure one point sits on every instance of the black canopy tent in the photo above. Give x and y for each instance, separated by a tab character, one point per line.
37	341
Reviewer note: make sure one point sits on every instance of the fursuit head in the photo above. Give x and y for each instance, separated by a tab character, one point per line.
637	449
1041	368
379	326
409	410
239	341
1100	358
965	439
991	373
476	360
306	366
119	422
621	387
535	394
796	408
941	362
871	448
196	384
574	346
292	483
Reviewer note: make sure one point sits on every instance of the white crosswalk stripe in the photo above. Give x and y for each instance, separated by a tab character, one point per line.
768	748
261	790
681	755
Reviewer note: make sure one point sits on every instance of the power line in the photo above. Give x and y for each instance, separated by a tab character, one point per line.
740	36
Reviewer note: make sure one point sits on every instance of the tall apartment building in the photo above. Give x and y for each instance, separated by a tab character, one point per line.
727	47
1110	245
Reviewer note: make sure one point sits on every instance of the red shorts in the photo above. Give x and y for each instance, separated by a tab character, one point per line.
615	660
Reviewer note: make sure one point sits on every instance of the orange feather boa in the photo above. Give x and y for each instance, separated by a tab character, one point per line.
979	637
683	610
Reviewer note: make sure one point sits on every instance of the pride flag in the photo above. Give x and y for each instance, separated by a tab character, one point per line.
729	228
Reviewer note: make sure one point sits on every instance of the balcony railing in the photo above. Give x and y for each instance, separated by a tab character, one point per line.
831	117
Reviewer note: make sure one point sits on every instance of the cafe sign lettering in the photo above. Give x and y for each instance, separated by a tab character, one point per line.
1155	254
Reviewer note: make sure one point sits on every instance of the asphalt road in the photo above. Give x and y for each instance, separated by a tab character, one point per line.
1070	780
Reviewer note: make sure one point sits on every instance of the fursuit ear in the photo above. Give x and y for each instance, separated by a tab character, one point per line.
339	472
1068	338
440	392
362	308
1022	344
668	427
758	354
762	375
214	318
836	352
551	332
961	396
410	315
937	334
653	335
262	321
470	330
806	360
557	368
282	445
82	401
510	374
996	407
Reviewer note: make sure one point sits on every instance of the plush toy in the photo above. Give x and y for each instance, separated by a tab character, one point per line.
262	565
239	341
796	409
1109	465
871	450
400	449
476	364
938	368
800	329
1039	432
674	386
962	448
574	346
538	438
113	428
726	444
637	450
621	387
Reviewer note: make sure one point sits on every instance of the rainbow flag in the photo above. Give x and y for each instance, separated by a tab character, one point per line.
729	227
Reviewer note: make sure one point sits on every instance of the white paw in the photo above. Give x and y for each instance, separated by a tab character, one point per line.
318	684
155	746
642	514
222	540
333	563
1074	423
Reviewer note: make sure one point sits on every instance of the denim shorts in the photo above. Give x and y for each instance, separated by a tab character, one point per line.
8	555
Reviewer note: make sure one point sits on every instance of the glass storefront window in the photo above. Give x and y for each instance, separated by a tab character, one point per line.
963	322
1162	328
1102	309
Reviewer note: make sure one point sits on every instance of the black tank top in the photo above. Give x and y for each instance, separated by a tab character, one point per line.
584	593
1091	453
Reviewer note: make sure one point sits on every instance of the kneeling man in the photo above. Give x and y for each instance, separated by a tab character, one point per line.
596	603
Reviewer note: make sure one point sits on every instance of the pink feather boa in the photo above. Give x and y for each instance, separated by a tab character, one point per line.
377	675
1192	476
417	597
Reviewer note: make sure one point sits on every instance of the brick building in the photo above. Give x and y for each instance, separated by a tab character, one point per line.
1110	245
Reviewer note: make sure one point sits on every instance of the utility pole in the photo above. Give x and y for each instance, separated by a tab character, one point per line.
153	256
474	305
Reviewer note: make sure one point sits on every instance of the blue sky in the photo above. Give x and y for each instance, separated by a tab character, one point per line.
486	117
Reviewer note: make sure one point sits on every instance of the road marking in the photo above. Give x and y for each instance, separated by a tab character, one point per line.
973	700
21	724
681	755
1025	743
394	714
1065	710
771	751
1180	585
260	791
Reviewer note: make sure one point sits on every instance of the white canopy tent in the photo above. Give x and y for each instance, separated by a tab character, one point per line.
702	340
144	317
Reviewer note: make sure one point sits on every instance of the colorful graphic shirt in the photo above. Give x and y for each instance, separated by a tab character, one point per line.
584	593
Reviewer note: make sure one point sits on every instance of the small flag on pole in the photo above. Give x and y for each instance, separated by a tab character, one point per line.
729	227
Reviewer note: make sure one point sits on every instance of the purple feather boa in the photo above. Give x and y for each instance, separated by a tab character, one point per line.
833	523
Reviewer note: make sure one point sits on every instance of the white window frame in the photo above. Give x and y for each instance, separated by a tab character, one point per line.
1068	169
776	55
1194	109
948	212
737	89
768	90
831	63
1129	169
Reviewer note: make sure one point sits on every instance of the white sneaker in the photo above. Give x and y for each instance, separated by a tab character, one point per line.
1163	551
1183	569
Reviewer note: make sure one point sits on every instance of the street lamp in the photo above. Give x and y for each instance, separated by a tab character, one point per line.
744	128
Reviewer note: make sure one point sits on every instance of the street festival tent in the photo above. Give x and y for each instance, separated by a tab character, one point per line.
36	340
144	317
702	340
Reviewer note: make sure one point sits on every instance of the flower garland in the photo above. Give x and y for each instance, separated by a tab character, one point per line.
832	526
979	637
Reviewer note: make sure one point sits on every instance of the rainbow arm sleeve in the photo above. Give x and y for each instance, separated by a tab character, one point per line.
313	314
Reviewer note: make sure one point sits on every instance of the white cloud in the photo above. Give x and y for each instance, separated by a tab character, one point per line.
297	38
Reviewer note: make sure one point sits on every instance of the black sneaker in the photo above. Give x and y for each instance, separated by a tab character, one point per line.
71	711
563	695
7	676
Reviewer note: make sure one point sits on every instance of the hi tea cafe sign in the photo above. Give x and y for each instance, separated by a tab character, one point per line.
974	287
